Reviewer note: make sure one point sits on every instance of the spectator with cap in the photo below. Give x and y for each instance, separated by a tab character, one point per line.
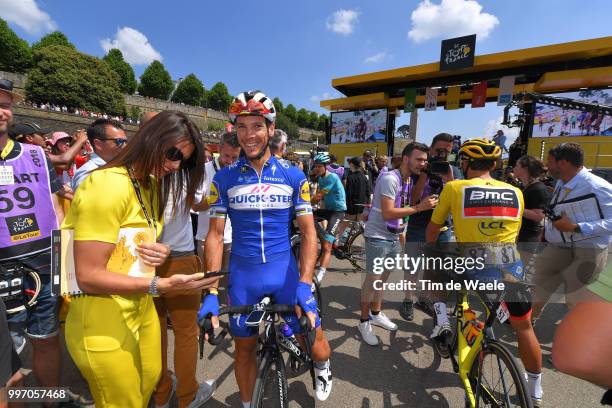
60	143
40	324
278	143
107	137
32	133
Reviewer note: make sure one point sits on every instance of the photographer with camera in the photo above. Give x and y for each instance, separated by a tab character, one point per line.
577	251
430	182
576	255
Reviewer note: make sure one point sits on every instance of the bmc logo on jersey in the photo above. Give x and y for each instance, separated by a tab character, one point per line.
305	191
264	196
490	228
490	201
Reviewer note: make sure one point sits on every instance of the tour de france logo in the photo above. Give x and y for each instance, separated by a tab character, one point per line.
305	191
457	53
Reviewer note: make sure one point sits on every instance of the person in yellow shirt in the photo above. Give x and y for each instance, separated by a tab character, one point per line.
487	216
112	332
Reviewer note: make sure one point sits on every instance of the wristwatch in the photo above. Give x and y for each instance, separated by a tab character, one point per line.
577	230
153	287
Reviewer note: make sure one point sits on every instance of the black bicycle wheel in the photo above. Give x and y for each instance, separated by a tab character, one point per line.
271	383
496	379
355	251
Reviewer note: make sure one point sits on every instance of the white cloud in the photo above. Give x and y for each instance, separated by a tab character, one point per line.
450	18
134	45
343	21
27	15
373	59
495	124
326	95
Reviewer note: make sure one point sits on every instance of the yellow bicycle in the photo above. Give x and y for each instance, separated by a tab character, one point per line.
489	373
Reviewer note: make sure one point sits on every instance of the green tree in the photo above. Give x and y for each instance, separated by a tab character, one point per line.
15	53
278	105
302	118
135	112
313	120
190	91
64	76
127	79
54	38
218	97
155	81
283	122
323	120
291	112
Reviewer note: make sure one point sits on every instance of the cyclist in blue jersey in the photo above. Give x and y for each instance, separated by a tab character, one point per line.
331	193
261	194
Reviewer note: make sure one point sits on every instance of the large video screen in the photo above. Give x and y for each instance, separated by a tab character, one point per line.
554	121
363	126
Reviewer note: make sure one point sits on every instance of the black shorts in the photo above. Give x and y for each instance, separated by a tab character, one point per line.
333	219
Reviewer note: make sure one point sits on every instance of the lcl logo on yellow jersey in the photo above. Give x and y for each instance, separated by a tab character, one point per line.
305	191
490	228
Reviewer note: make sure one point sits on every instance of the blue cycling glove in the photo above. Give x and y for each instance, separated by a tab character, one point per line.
305	298
210	305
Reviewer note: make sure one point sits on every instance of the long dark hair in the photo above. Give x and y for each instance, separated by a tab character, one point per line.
146	152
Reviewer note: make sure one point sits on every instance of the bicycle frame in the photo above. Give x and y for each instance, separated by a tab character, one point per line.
466	354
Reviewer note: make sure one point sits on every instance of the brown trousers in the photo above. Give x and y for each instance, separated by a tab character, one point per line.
183	311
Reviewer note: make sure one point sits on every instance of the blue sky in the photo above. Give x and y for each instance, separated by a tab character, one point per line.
293	49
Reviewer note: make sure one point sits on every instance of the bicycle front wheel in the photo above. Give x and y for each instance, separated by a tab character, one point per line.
271	383
496	379
355	251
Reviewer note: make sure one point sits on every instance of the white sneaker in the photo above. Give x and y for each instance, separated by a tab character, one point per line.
383	321
323	382
320	275
365	328
205	392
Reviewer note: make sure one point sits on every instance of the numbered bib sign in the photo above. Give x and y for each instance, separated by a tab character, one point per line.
502	312
6	176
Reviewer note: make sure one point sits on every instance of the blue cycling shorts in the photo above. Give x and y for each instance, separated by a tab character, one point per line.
249	282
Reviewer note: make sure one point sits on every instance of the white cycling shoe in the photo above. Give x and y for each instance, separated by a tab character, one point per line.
323	382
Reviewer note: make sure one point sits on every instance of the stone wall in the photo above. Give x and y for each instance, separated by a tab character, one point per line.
19	80
201	116
56	121
68	122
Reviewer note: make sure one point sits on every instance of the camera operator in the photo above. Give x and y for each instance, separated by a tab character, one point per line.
438	172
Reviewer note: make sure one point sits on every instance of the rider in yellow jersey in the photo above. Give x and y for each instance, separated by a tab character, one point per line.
487	213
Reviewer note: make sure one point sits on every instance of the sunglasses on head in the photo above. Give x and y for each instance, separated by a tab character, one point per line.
118	142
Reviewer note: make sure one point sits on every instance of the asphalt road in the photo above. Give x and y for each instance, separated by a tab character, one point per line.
403	371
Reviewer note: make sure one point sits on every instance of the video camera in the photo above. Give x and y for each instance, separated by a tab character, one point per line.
438	167
550	214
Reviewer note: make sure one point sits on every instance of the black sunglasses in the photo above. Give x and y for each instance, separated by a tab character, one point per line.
118	142
173	154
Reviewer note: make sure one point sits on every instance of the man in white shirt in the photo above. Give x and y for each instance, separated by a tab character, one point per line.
578	244
229	151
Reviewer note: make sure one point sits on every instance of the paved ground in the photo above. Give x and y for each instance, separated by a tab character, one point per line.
403	372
